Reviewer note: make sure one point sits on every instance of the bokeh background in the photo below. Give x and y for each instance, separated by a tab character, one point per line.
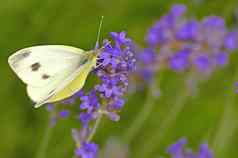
210	116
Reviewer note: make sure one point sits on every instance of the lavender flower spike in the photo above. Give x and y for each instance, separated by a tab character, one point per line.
106	97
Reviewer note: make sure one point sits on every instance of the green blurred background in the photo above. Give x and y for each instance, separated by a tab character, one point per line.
211	115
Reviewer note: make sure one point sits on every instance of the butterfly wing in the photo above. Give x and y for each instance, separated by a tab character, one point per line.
42	95
37	66
46	69
69	86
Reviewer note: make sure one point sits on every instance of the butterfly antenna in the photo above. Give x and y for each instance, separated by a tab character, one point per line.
99	32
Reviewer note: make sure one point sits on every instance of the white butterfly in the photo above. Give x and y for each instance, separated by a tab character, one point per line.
52	72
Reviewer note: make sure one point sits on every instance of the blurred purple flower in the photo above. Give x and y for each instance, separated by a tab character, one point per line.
178	10
231	41
180	60
202	63
188	31
208	42
148	56
50	107
221	58
64	113
204	152
178	150
146	63
213	31
87	150
157	35
236	85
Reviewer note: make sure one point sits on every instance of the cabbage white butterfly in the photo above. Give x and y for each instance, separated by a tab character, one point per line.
53	72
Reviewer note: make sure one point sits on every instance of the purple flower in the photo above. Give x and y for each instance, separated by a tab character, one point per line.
213	31
208	42
109	57
110	87
214	21
231	41
188	31
64	113
147	74
202	63
50	107
120	38
87	150
221	58
178	10
117	62
147	56
117	104
157	35
178	150
204	152
106	97
179	61
85	117
146	63
89	102
170	20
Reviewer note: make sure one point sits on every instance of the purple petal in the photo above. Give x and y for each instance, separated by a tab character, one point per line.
231	41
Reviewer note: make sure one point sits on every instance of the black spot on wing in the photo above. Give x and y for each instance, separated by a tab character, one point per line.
35	66
45	76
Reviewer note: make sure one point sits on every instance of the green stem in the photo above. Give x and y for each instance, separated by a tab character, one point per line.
93	131
41	153
165	125
95	127
141	117
228	123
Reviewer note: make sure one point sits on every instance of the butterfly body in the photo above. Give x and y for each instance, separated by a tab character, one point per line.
52	72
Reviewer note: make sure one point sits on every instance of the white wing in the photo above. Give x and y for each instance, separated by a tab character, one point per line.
45	68
41	95
38	66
